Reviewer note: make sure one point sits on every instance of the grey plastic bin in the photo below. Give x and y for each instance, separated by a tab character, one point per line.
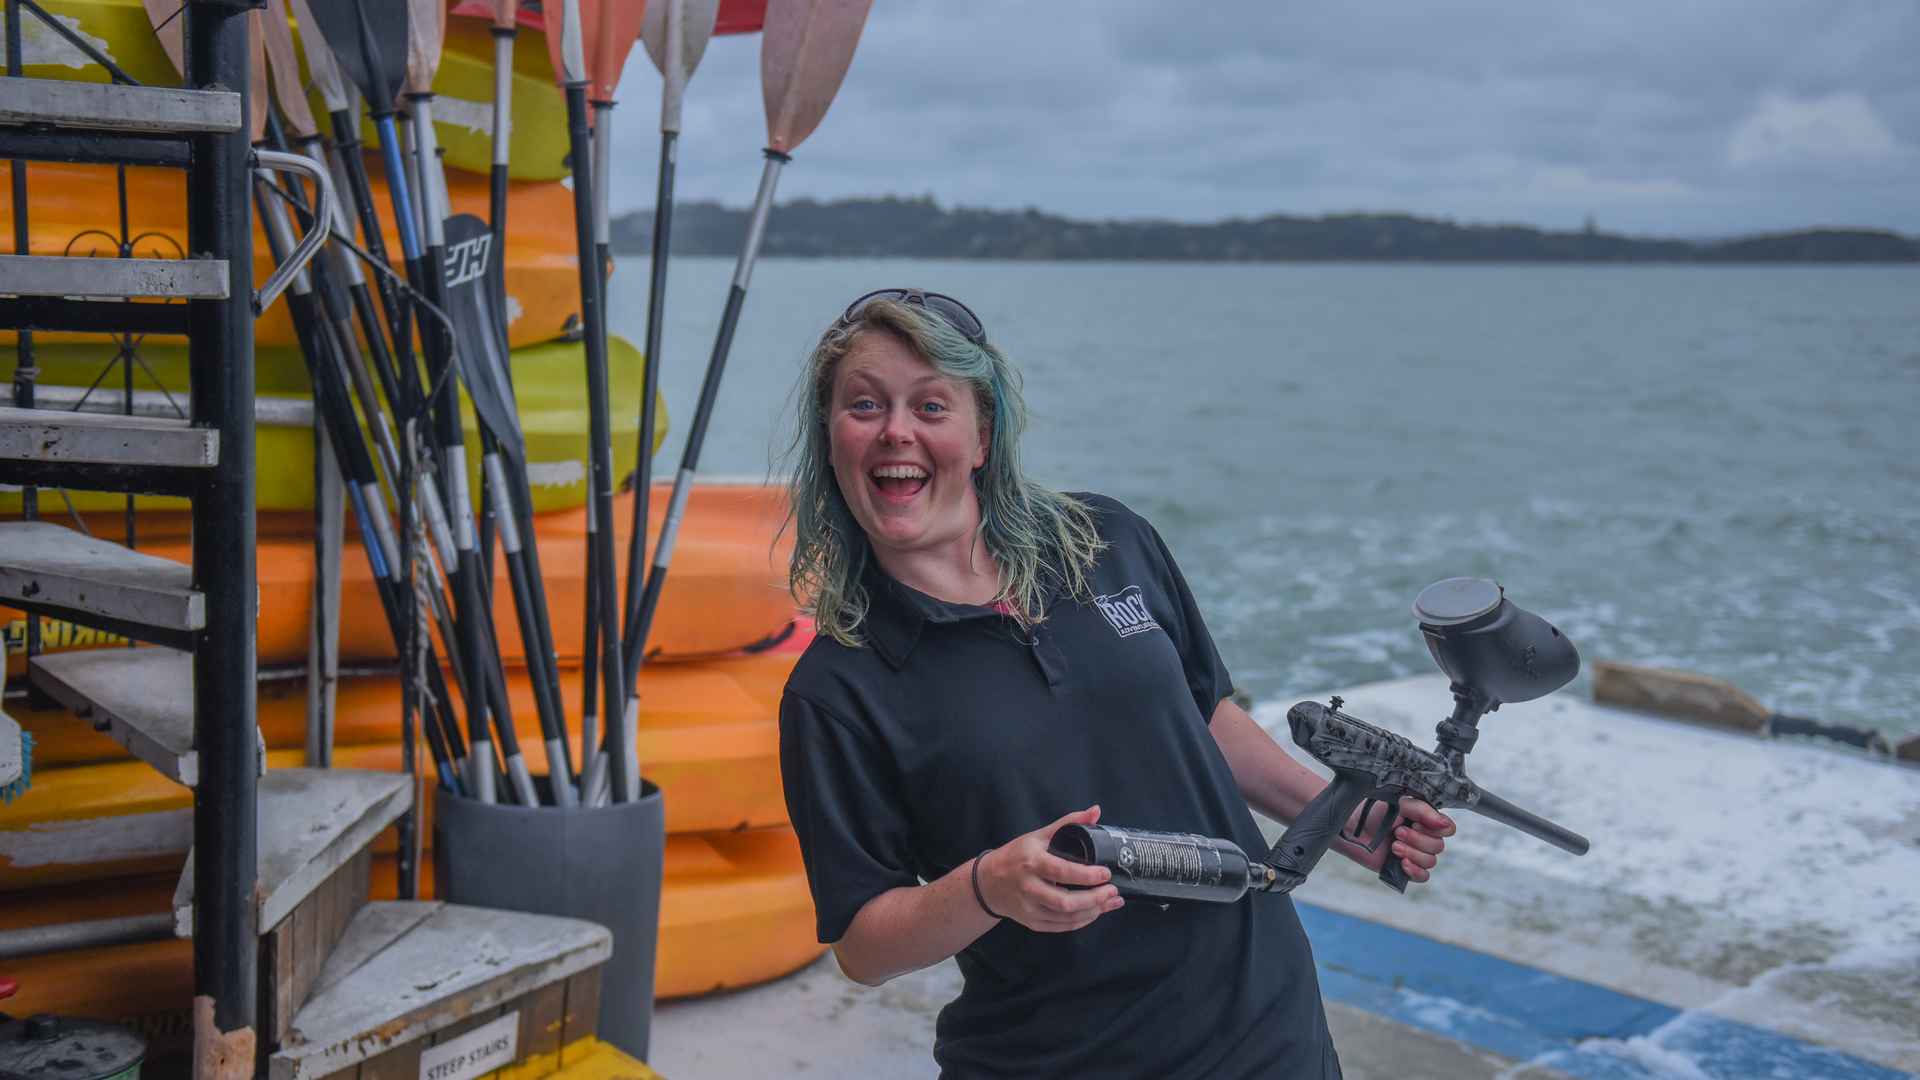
603	865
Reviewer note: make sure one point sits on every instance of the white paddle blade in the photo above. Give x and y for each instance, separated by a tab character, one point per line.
676	33
286	72
806	47
426	33
320	64
573	46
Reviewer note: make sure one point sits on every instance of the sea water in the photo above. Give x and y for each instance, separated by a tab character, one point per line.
1709	468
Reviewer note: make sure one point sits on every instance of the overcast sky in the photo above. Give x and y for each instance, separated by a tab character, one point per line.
1692	118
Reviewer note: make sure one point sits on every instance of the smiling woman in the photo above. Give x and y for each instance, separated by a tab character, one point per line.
997	660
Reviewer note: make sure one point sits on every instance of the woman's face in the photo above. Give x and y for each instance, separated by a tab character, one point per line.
905	441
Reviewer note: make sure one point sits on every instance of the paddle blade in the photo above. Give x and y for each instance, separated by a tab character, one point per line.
806	47
256	77
285	70
566	23
611	34
676	33
741	17
479	349
369	41
320	65
169	25
426	34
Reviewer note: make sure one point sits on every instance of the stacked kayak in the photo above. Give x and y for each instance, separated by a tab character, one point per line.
102	836
96	825
463	84
75	210
553	416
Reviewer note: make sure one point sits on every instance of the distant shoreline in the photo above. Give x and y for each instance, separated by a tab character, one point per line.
920	228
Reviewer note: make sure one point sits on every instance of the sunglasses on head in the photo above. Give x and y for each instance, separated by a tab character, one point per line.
958	315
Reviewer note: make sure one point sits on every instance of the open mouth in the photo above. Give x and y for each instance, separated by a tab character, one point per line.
899	481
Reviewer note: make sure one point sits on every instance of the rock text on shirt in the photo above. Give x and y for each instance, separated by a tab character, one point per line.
1126	611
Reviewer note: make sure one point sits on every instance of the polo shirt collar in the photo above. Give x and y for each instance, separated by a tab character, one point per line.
896	613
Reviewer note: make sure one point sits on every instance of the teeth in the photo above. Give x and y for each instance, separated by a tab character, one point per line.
900	472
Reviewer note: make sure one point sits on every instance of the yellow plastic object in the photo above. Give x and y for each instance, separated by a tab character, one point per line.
463	111
75	210
463	106
549	384
583	1059
118	28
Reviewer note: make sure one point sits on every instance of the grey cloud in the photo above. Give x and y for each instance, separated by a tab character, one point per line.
1485	110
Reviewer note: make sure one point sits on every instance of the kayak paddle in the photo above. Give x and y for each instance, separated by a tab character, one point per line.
806	48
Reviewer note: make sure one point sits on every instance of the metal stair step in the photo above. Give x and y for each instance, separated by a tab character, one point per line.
405	970
311	822
269	410
141	698
13	757
105	439
110	279
43	564
112	107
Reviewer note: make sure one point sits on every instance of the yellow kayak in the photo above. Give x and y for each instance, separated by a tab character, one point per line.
463	105
549	381
464	83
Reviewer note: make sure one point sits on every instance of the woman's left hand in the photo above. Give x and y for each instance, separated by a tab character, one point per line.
1417	840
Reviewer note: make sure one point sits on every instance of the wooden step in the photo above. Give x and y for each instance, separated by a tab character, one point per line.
141	698
149	109
43	564
311	823
90	278
105	439
406	972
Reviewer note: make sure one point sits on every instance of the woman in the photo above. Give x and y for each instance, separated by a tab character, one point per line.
996	660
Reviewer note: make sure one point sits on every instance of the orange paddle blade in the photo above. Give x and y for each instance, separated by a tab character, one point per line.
806	47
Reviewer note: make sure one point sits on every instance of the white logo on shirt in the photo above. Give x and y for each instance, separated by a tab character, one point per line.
1127	611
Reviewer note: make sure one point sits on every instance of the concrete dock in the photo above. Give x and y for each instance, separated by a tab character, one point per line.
1749	909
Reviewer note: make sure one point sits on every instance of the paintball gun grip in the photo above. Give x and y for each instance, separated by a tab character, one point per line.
1392	871
1300	847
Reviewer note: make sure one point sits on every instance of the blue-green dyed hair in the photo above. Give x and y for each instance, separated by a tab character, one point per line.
1043	541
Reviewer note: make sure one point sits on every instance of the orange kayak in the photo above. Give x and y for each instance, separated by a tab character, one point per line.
727	589
734	911
709	737
75	210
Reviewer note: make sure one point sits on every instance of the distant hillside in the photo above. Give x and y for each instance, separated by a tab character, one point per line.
921	228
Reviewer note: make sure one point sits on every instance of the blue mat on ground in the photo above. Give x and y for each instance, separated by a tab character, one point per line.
1574	1027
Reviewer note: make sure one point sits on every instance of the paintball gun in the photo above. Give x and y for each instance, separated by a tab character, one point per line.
1492	652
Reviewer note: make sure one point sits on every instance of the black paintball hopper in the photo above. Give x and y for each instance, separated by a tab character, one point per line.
1485	642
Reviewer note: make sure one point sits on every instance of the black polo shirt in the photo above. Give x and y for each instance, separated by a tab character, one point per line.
953	730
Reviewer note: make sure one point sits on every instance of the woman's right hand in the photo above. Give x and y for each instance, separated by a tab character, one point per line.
1025	882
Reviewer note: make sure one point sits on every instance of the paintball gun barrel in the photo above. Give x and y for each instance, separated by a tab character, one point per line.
1492	651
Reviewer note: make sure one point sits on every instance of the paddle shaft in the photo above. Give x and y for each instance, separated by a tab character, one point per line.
337	419
475	620
626	786
643	469
709	393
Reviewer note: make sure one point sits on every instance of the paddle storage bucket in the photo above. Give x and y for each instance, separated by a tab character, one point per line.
603	865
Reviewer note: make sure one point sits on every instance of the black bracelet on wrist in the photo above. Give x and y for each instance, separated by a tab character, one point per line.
978	896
